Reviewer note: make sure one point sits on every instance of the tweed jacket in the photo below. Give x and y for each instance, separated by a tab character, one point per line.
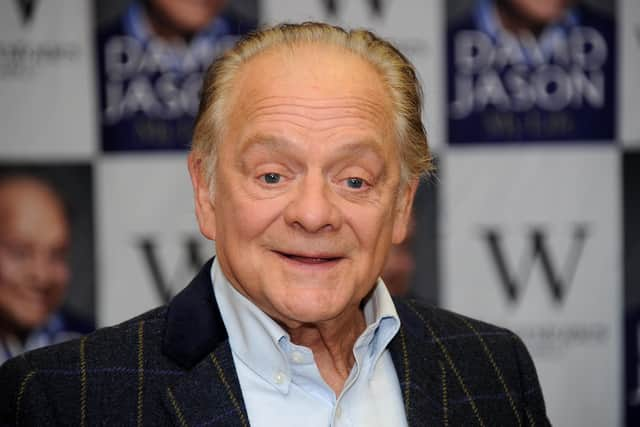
173	366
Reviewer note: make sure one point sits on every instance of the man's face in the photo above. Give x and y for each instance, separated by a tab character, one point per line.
541	11
189	16
34	240
308	196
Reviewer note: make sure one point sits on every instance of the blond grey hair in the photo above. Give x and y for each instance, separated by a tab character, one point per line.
395	70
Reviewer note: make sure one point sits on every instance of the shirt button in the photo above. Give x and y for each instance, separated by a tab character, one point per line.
338	411
297	357
280	378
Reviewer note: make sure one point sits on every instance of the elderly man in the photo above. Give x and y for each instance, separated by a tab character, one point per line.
34	270
307	153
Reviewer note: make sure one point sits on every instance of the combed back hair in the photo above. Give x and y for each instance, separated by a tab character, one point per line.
397	73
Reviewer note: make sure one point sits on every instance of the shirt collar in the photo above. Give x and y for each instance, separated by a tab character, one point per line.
383	324
263	345
40	337
254	337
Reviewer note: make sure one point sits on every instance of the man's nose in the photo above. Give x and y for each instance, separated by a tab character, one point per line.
312	206
39	269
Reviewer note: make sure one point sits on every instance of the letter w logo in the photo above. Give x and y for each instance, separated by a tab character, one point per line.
166	287
558	282
332	7
26	8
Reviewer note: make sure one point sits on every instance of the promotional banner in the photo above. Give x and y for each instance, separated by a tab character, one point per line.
150	244
46	254
531	242
46	79
629	72
414	26
151	60
520	74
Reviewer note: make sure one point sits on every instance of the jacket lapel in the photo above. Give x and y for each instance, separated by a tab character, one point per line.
209	394
195	338
422	374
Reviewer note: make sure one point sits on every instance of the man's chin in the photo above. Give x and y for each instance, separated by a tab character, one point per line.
297	314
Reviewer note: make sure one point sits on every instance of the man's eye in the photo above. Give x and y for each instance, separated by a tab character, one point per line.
271	178
355	182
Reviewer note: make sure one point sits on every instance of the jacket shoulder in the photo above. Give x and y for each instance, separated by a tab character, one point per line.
103	365
484	364
112	343
418	315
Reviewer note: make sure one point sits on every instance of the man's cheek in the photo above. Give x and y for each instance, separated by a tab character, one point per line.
10	275
60	276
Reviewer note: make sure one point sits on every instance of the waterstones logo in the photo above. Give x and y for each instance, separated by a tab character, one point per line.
559	274
166	282
26	9
332	7
23	58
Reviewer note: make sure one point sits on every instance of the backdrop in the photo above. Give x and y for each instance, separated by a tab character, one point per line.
531	221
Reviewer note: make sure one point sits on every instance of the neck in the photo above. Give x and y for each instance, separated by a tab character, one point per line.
332	345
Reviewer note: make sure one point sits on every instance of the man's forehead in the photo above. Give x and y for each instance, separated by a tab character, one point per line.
315	73
319	91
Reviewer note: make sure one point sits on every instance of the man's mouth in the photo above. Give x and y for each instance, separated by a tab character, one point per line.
309	259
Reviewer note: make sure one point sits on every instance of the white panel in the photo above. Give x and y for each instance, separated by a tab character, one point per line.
569	199
46	79
143	199
629	83
414	26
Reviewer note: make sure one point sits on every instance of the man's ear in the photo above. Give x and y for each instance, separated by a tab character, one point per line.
404	207
204	202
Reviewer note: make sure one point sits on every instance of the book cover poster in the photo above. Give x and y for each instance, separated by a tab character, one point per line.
530	72
151	59
46	254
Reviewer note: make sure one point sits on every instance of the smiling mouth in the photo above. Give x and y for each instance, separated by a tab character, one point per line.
309	259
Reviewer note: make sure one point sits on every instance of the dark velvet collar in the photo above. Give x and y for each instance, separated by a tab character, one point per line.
194	327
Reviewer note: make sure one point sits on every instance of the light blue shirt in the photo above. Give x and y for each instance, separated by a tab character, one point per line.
280	381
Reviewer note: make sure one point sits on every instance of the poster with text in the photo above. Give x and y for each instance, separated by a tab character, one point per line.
531	242
46	254
150	244
517	73
47	97
151	58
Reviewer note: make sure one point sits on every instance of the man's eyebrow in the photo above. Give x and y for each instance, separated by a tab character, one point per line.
268	141
360	147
